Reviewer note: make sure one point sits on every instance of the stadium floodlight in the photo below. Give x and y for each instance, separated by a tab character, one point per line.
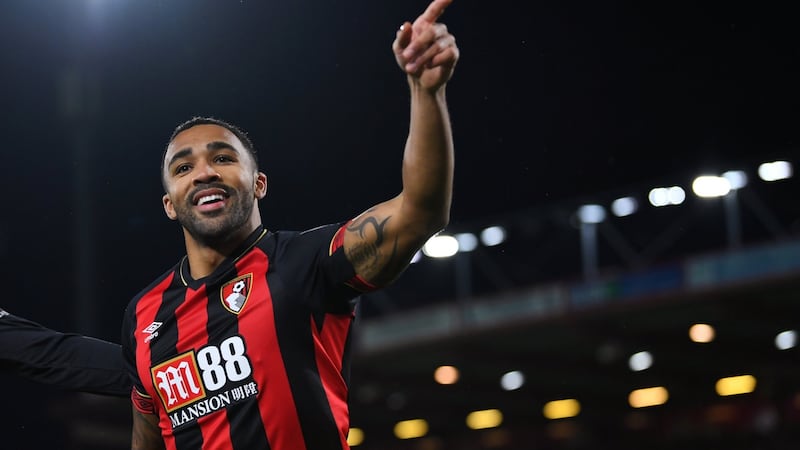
446	375
355	437
467	242
410	429
640	361
786	340
658	197
562	409
653	396
710	186
736	178
702	333
774	171
676	195
440	246
487	418
742	384
591	214
512	381
665	196
624	206
492	236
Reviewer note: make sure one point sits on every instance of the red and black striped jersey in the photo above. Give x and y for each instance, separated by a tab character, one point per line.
253	356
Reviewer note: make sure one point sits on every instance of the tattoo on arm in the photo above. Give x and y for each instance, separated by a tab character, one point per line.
145	435
366	256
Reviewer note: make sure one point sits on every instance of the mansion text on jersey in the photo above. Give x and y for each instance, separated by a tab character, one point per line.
211	404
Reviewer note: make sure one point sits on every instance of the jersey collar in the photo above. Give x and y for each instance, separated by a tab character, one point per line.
249	243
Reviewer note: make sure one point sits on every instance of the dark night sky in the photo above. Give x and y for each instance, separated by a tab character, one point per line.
551	101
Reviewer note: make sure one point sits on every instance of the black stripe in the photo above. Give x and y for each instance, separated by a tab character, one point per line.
293	327
346	358
246	429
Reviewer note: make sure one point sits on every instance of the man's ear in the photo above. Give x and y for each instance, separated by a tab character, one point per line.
260	185
169	208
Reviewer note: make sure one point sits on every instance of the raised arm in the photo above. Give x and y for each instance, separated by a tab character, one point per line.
381	241
65	360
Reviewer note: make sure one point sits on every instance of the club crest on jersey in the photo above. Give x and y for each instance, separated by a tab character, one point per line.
234	293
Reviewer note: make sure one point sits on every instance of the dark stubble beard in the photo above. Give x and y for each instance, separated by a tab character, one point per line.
217	228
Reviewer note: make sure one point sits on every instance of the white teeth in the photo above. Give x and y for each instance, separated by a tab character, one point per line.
209	198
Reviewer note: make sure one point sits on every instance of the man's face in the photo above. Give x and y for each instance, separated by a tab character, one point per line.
212	183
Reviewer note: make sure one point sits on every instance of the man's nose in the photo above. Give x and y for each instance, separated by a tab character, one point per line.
205	173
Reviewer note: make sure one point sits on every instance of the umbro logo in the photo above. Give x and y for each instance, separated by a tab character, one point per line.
151	332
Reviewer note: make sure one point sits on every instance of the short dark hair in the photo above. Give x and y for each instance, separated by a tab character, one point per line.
198	120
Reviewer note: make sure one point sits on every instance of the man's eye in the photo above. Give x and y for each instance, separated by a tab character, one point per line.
182	168
223	158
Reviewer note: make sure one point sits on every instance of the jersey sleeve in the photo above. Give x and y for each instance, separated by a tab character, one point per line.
139	397
65	360
331	276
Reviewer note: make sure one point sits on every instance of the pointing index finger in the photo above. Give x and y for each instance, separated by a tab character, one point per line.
434	10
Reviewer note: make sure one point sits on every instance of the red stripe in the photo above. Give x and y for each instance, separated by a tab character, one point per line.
257	326
360	284
357	282
216	430
329	352
191	318
146	310
192	322
142	404
338	239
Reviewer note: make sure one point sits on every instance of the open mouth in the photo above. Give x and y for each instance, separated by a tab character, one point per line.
210	199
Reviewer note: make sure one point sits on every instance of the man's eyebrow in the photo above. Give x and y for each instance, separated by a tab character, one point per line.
220	145
211	146
180	154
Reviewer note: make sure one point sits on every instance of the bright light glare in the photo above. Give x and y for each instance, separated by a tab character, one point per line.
774	171
701	333
737	178
446	375
662	196
641	398
488	418
658	197
512	380
624	206
708	186
417	256
409	429
743	384
493	236
561	409
440	246
467	242
591	214
676	195
786	340
640	361
355	437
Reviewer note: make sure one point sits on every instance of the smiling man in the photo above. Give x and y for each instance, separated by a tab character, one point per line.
243	344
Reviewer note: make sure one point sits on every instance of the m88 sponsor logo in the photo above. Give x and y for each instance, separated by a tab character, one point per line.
192	385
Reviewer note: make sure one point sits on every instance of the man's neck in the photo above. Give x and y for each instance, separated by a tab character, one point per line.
204	259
